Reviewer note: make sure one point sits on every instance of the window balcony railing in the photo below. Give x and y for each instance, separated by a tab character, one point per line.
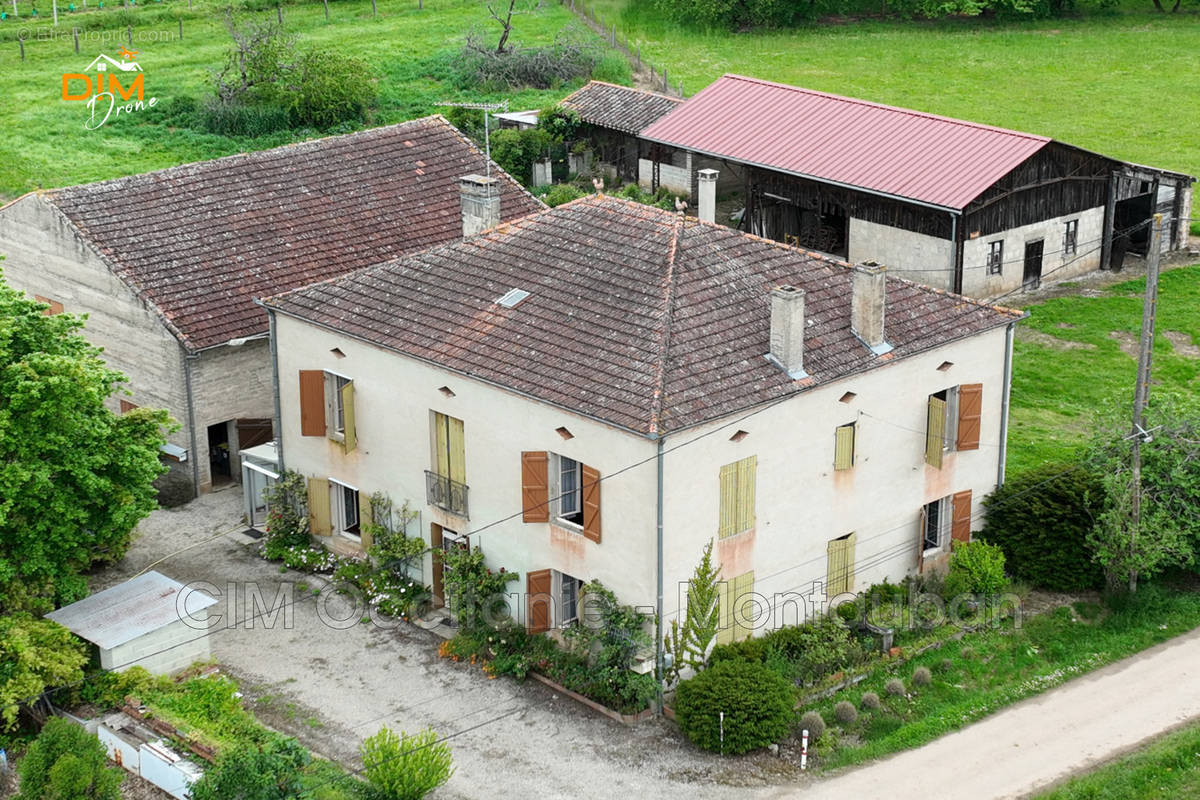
446	494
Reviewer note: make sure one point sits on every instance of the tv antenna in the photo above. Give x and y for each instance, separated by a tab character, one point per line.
486	108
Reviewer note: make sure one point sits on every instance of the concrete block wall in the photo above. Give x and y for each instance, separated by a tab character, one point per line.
167	650
230	383
1056	265
925	259
677	179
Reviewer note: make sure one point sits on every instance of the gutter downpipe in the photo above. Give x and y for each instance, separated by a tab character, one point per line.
956	276
1005	402
278	424
188	358
659	661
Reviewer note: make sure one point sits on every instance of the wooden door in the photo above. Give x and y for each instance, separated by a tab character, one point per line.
1033	264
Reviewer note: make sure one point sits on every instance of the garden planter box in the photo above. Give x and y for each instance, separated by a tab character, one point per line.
627	719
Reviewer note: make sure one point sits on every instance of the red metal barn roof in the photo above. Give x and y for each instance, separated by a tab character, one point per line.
936	160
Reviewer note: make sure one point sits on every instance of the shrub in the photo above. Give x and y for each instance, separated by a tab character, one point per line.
517	150
404	767
572	55
870	701
327	89
976	568
947	665
845	712
35	655
269	772
65	761
922	676
561	193
804	653
287	520
1041	519
894	687
814	723
757	704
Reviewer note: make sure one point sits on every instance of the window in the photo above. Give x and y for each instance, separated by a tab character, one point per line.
839	574
995	259
327	407
570	491
343	501
1071	237
336	402
572	588
562	490
446	482
737	497
843	448
954	419
935	520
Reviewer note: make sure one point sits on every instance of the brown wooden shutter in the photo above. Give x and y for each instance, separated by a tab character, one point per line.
127	406
535	491
319	523
970	410
591	503
439	584
921	520
312	402
538	600
960	526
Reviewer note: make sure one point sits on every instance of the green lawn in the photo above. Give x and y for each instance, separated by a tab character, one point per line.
45	142
1167	769
1056	392
1110	83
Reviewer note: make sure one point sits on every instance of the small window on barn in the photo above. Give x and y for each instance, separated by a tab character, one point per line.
995	259
1071	238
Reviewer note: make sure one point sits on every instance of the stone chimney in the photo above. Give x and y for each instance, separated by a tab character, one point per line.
787	330
480	204
707	201
868	293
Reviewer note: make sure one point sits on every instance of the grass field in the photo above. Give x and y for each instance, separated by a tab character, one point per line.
45	142
1113	83
1166	769
1067	363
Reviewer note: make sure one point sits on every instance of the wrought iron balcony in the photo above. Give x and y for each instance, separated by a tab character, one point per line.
446	494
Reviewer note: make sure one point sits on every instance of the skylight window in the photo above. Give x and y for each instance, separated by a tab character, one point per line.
512	297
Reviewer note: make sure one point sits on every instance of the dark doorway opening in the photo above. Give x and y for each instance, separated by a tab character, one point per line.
1033	264
218	454
1130	232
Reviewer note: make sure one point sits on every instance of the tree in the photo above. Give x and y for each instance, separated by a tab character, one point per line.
404	767
66	761
690	642
77	478
35	655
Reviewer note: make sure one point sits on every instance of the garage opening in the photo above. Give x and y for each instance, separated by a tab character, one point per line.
1131	234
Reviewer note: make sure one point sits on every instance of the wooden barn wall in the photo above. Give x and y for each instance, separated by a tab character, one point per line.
1055	181
863	205
614	147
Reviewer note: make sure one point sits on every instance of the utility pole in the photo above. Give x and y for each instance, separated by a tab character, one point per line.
1141	393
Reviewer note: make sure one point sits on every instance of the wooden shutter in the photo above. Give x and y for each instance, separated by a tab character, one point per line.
441	444
970	410
349	434
456	447
921	520
312	402
365	518
747	480
439	578
839	576
725	615
537	586
591	502
960	527
253	432
935	431
728	510
535	491
737	497
318	507
743	587
843	450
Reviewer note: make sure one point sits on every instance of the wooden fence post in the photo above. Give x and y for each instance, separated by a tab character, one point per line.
21	44
181	29
666	84
639	57
374	11
129	34
326	10
75	33
54	9
279	13
15	8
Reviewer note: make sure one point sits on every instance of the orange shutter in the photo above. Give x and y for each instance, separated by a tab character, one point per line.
591	503
535	492
970	410
960	527
538	600
312	402
127	406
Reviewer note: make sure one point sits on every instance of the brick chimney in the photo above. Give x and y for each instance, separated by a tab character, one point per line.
480	204
868	293
787	330
707	194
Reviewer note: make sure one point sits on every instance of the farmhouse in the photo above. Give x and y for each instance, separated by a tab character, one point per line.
167	264
826	425
967	207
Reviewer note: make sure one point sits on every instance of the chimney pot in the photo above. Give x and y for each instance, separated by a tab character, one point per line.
480	198
868	296
707	194
787	330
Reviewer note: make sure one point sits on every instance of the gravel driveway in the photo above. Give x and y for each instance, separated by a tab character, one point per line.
331	685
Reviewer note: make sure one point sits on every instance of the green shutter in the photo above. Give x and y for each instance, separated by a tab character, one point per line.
743	587
728	520
457	444
747	477
725	618
839	577
350	435
935	432
843	450
737	497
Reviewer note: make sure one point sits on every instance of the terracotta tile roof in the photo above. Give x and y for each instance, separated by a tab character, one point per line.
897	151
636	316
200	241
619	107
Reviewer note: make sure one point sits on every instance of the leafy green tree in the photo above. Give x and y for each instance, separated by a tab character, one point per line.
35	655
976	568
403	767
690	642
66	762
77	478
270	772
475	593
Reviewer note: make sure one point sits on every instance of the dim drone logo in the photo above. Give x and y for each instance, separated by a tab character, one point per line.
101	90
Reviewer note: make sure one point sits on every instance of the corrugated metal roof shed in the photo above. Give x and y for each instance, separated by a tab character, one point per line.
895	151
126	611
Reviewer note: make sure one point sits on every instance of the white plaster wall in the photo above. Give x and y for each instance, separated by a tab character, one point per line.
230	383
925	259
803	503
1056	265
393	399
169	649
45	256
